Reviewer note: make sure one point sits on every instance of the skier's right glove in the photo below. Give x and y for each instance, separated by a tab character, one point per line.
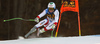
36	19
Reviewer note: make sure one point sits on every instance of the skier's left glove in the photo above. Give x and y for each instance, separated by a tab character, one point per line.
53	26
36	19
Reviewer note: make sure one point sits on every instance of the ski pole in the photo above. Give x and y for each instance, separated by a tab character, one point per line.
51	34
28	19
12	19
20	19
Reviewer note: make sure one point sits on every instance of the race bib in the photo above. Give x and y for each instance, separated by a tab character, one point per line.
52	16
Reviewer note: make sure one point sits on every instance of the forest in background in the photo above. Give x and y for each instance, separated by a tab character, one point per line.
29	9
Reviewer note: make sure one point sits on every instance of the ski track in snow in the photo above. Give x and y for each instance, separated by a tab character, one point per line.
56	40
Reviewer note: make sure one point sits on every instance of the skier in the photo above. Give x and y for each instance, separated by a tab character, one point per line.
49	23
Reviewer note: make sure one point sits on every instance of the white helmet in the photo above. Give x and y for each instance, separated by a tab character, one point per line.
51	5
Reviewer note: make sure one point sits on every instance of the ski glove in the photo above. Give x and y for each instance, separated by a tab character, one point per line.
36	19
53	26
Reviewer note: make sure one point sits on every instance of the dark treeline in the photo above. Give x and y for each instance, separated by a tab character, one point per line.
29	9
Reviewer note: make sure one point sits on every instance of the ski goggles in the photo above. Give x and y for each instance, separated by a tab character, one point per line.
51	8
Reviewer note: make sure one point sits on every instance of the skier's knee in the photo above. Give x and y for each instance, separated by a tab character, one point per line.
45	29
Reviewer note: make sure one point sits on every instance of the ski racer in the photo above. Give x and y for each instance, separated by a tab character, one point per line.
49	23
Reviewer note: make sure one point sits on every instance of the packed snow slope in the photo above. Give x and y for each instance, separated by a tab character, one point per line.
56	40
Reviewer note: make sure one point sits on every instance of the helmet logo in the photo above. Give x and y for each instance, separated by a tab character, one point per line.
51	2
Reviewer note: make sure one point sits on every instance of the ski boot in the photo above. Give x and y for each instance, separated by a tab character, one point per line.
40	31
31	31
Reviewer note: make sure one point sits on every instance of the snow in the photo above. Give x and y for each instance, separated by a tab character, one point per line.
56	40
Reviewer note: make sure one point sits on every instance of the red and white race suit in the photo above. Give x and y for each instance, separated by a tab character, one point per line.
52	18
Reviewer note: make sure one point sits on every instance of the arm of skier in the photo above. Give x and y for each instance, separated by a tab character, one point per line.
39	16
56	18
